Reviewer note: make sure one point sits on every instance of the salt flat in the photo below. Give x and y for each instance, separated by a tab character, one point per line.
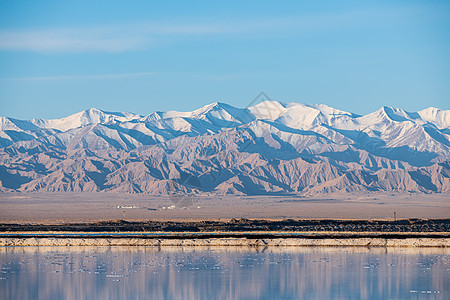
84	207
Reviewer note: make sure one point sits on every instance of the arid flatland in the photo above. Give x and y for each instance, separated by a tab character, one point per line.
56	208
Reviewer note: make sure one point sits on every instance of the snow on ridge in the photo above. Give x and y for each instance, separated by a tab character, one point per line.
439	117
221	115
7	123
86	117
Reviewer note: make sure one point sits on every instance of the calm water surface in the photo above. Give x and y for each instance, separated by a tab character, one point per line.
223	273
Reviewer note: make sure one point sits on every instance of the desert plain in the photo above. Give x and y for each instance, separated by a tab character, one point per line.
54	208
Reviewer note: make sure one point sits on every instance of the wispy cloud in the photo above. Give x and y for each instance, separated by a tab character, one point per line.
103	39
82	77
143	36
198	75
71	41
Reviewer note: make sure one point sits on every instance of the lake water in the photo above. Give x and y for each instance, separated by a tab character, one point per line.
223	273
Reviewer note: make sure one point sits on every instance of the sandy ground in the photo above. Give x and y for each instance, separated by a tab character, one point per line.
84	207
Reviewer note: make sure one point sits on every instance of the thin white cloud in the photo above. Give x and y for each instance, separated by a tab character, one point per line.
143	36
102	39
82	77
71	41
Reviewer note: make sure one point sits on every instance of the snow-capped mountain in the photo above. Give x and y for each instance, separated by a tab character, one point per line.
83	118
269	148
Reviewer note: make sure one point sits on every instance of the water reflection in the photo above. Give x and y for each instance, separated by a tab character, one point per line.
223	273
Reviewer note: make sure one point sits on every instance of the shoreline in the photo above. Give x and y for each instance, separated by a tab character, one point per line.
234	232
249	239
225	242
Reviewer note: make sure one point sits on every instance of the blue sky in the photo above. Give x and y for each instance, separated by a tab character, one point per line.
60	57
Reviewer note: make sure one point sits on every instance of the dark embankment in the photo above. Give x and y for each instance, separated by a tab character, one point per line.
237	225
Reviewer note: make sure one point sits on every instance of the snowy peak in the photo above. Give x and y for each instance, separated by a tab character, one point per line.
399	115
221	115
211	118
294	123
441	118
215	110
219	112
302	116
86	117
17	125
268	110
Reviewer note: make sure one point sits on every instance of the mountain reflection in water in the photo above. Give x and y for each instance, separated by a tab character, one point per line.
223	273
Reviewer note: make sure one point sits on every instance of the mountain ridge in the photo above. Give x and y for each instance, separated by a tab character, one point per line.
269	148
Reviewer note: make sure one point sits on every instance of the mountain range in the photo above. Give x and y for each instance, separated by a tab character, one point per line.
270	148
